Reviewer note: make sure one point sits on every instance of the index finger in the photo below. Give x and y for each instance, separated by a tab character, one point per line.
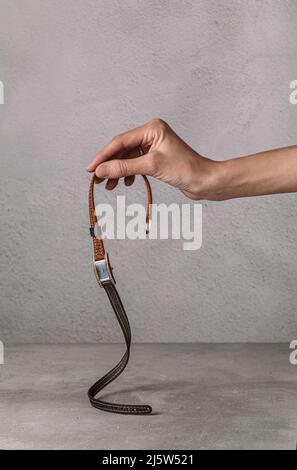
126	141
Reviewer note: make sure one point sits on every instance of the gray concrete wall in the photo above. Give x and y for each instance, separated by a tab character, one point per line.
76	73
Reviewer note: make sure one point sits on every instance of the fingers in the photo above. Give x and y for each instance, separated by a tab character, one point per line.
111	184
115	169
126	141
129	180
98	180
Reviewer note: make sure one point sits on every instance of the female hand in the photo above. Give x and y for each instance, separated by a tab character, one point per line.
166	157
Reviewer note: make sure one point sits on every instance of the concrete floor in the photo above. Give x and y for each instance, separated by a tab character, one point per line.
203	396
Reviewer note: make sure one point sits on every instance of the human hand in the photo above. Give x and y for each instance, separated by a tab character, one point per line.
165	156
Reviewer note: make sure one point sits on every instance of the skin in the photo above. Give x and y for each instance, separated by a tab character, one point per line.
169	159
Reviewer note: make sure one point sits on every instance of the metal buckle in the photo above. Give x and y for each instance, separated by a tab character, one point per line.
103	271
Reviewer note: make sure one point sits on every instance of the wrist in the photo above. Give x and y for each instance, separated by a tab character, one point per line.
212	181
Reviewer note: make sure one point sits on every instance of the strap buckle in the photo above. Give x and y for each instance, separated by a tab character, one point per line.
103	271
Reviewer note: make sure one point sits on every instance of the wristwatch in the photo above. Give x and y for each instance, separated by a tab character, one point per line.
106	280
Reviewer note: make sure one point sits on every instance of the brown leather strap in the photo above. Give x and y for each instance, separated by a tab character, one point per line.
105	279
99	251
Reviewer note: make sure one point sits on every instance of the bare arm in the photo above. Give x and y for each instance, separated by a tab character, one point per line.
269	172
169	159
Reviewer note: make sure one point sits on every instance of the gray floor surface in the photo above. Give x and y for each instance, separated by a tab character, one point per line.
204	396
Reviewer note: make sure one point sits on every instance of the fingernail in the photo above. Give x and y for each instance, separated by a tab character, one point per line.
88	168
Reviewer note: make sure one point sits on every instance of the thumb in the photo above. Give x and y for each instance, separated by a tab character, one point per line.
114	169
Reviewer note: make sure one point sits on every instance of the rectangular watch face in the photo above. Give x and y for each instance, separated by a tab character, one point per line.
102	271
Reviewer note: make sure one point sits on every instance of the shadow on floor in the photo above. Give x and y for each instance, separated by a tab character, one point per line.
173	387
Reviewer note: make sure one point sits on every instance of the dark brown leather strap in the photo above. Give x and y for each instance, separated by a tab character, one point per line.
104	276
119	368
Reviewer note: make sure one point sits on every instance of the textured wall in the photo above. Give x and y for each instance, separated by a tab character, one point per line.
78	72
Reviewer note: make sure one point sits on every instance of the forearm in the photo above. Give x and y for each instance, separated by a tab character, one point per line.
168	158
269	172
